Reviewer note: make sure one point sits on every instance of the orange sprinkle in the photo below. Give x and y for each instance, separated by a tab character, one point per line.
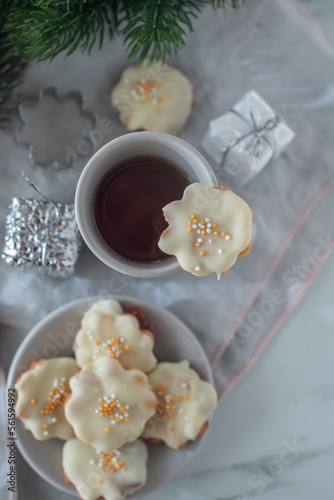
166	96
33	401
99	481
193	216
190	229
132	353
195	221
223	233
198	244
158	110
215	233
214	225
203	231
148	99
160	99
106	429
97	342
157	85
203	253
45	426
202	221
171	428
189	222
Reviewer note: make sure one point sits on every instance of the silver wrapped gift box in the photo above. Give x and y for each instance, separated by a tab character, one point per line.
41	236
247	138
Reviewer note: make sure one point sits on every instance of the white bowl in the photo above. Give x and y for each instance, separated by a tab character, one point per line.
168	147
53	336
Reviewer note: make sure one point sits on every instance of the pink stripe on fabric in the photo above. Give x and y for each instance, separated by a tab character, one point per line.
277	257
11	495
305	14
278	323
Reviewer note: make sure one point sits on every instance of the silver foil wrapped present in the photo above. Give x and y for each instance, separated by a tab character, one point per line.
41	236
247	138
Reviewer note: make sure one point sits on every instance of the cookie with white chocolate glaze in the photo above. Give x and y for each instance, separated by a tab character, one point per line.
107	331
109	405
209	228
108	475
185	403
41	395
154	97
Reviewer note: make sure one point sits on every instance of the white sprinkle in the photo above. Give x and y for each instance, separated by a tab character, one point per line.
208	230
198	231
201	226
154	101
97	411
184	385
197	268
200	240
113	395
210	241
53	420
113	422
142	80
133	92
99	464
127	407
194	226
181	410
186	418
45	433
209	224
207	220
94	356
227	237
126	79
220	250
91	462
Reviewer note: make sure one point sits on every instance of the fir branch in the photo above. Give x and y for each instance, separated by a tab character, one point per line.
157	27
42	29
11	75
225	4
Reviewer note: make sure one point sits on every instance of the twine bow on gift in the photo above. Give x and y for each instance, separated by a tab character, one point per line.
257	134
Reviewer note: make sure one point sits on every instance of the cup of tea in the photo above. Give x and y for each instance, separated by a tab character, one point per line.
121	193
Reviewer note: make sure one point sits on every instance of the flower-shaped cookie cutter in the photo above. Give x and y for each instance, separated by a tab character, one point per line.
57	129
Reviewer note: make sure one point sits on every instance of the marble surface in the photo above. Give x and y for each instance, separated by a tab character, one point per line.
272	437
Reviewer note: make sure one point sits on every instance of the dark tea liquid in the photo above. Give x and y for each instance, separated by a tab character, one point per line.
129	202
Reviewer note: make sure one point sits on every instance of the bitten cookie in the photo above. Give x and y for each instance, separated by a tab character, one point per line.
153	97
185	402
107	475
41	394
209	228
106	331
109	405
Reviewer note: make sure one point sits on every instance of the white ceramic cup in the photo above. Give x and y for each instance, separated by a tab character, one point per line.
174	150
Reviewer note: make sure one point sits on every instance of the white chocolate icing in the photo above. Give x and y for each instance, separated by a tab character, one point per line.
208	229
153	97
41	392
109	405
110	474
106	331
185	402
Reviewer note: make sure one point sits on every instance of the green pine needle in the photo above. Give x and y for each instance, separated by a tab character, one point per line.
42	29
11	72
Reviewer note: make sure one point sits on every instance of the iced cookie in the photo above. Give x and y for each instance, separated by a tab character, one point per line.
41	394
185	403
109	405
108	475
209	228
106	331
154	97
